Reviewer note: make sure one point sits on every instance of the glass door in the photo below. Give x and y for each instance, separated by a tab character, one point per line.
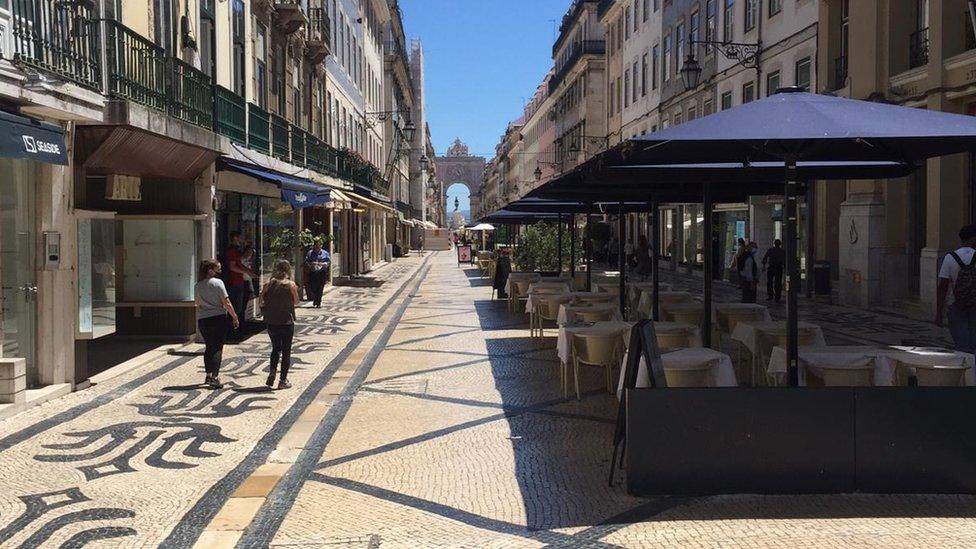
17	275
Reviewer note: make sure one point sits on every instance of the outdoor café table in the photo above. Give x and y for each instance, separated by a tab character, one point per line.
635	289
566	310
608	286
748	333
514	277
885	359
533	296
727	315
722	370
564	346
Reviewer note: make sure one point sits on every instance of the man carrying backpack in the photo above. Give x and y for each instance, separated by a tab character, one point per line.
959	272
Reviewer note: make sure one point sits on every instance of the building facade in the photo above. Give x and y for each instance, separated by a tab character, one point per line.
157	131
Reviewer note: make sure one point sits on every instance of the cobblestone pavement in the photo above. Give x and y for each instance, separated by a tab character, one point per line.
459	437
149	457
422	415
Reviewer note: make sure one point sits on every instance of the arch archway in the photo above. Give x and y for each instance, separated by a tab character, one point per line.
458	166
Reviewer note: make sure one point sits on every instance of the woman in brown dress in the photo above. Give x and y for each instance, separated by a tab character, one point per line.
278	300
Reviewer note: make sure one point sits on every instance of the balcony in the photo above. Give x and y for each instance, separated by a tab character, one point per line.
258	129
299	138
61	38
918	48
578	50
190	94
840	72
230	115
317	34
279	138
353	168
289	16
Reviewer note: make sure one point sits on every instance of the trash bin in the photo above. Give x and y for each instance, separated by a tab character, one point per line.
821	277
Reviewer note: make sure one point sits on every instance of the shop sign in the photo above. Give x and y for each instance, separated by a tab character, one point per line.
123	188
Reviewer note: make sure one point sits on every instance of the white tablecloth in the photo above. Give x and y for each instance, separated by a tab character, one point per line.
644	306
564	347
635	289
530	301
612	286
722	370
665	327
885	360
565	310
748	332
512	277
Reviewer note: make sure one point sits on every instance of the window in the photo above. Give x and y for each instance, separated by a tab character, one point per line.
635	87
775	6
163	25
278	68
237	38
626	89
627	23
657	4
750	14
679	45
620	90
772	83
612	96
207	38
708	107
748	92
643	85
655	56
803	73
728	31
709	24
620	31
677	118
666	59
646	9
692	113
260	66
726	100
695	28
636	14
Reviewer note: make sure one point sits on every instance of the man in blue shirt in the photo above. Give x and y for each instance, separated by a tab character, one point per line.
317	263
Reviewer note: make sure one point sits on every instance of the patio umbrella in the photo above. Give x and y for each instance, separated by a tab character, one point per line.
792	127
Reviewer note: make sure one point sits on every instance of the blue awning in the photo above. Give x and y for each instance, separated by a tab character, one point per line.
297	191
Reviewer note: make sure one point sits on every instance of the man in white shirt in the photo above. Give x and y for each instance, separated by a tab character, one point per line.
962	320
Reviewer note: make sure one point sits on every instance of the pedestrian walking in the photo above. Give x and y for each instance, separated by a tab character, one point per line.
958	272
736	264
237	276
278	300
215	316
642	259
773	262
317	261
749	273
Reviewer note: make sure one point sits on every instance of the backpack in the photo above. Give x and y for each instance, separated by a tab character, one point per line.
964	289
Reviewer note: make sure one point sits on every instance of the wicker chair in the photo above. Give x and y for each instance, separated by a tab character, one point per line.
546	310
805	337
520	292
673	340
589	317
605	351
851	376
698	376
940	376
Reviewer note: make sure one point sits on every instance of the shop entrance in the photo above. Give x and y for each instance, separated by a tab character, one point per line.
17	275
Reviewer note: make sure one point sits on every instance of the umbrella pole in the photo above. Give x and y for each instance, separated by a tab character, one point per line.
621	227
559	242
709	266
792	276
589	254
655	229
572	249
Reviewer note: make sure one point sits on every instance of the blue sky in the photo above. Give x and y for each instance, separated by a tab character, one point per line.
484	59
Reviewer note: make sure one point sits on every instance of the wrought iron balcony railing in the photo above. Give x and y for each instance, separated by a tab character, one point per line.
279	138
136	67
258	129
230	115
190	94
918	48
59	37
318	32
579	49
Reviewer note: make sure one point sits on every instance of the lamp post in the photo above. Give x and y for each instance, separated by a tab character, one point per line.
747	54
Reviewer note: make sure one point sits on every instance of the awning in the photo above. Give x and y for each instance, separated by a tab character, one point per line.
30	139
340	200
370	202
299	192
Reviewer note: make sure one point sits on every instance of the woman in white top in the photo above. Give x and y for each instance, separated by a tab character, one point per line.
214	309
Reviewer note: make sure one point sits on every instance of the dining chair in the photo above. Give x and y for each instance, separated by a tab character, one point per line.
861	375
765	343
589	317
547	310
602	350
673	340
699	375
940	376
521	292
688	316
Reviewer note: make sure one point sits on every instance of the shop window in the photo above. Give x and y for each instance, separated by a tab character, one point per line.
159	260
96	274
